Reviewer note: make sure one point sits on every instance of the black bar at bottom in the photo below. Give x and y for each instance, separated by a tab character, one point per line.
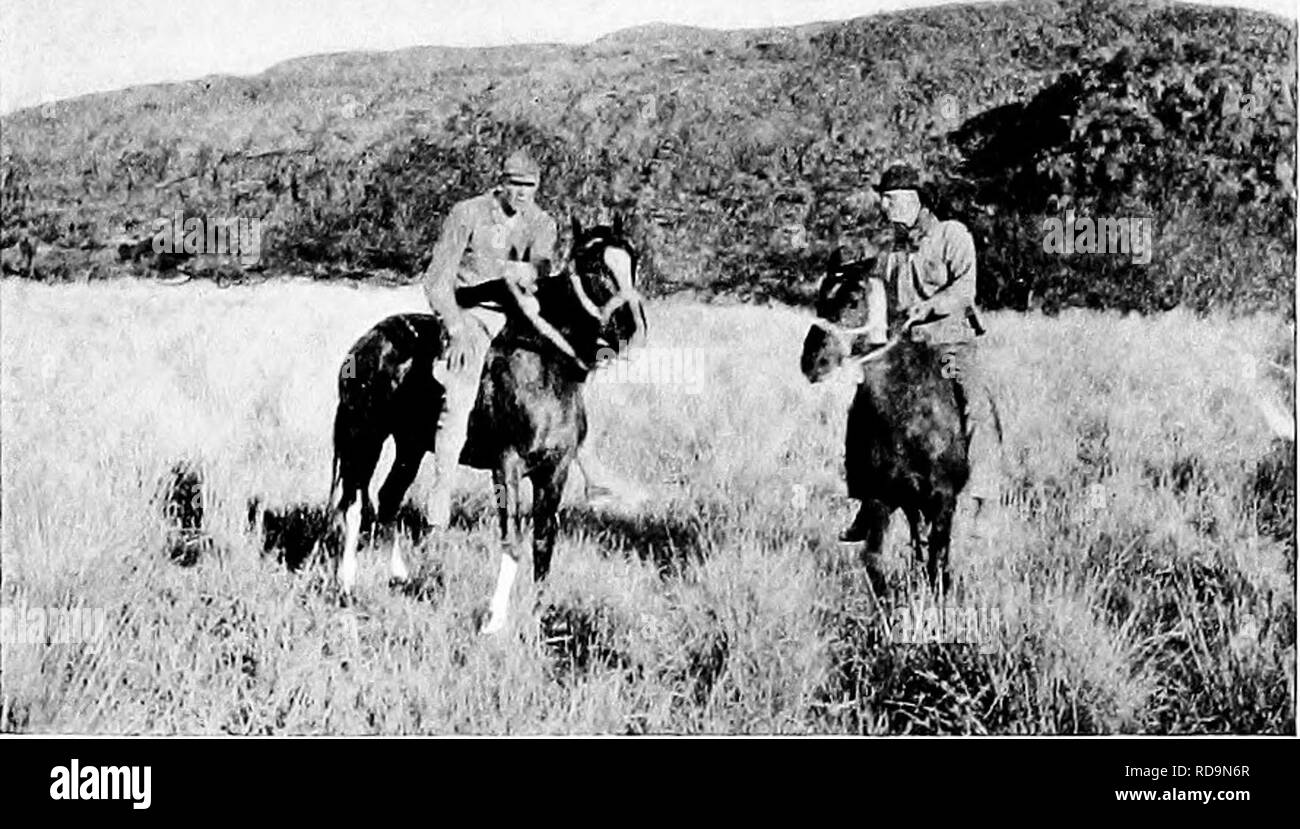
305	777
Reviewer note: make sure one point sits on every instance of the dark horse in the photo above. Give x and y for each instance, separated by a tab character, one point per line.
528	420
906	442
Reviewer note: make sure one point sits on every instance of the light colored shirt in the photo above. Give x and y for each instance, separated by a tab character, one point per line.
478	238
941	270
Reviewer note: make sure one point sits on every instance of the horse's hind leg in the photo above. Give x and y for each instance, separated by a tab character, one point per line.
349	508
505	483
356	466
876	515
916	532
405	466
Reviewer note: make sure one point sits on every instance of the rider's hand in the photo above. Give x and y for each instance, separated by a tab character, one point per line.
458	346
522	274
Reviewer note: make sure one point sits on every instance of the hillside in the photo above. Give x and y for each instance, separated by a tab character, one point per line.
741	156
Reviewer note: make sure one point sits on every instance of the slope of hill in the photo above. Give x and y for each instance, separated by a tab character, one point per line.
741	156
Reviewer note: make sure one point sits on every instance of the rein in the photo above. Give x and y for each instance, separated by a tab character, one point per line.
601	314
844	337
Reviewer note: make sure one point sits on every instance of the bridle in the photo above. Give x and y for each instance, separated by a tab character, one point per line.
602	314
844	337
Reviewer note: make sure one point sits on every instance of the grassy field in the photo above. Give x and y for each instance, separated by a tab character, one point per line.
1142	578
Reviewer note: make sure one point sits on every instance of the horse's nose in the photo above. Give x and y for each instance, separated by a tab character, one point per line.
819	356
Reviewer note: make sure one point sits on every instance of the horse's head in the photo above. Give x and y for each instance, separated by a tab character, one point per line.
844	309
603	280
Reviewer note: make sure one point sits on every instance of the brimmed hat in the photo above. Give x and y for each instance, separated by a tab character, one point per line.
521	169
899	177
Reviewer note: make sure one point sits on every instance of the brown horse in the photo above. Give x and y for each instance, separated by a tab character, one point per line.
529	419
906	443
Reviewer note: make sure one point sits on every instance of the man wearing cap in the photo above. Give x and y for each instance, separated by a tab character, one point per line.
499	235
930	269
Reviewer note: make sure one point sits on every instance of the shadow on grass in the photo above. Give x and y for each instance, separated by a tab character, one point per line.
1271	492
292	533
894	669
579	638
667	542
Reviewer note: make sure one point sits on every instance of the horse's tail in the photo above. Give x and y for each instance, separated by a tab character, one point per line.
335	465
334	479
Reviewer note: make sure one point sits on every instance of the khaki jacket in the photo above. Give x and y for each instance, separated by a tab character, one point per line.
935	261
477	238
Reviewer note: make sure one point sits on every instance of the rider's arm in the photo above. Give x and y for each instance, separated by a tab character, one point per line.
527	305
541	253
959	293
440	277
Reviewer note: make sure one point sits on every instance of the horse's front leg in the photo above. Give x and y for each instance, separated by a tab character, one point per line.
349	516
356	465
505	485
548	487
876	518
940	537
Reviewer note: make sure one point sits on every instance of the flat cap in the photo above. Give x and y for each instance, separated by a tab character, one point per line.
899	177
521	169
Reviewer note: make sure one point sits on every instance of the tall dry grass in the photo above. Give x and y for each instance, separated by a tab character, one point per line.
1141	577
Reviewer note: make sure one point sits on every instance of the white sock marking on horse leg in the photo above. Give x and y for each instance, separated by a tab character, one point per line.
501	596
396	565
348	566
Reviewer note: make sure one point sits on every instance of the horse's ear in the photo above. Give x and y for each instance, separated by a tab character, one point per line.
835	262
577	227
514	254
618	224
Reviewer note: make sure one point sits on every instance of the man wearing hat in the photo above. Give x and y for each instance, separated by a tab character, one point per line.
500	234
930	268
